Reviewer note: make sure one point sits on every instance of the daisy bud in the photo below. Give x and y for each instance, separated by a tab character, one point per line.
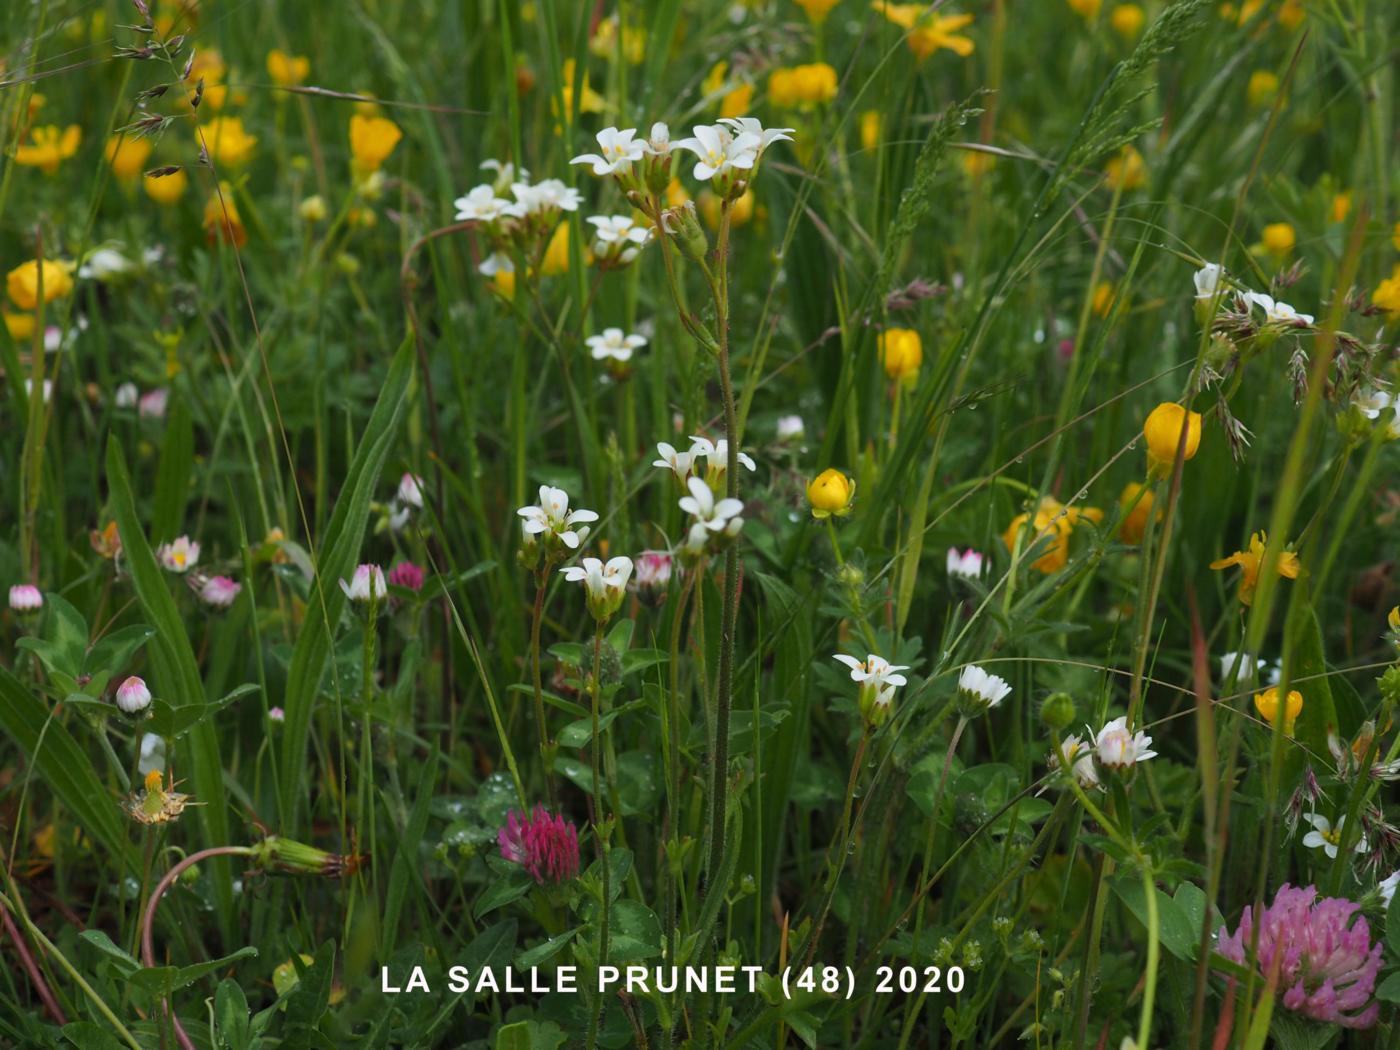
276	715
132	696
979	692
367	584
26	598
219	591
1057	711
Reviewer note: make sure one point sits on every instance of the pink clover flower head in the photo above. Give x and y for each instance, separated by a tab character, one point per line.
1326	964
406	575
545	846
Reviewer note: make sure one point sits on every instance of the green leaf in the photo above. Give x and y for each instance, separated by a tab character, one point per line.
407	865
529	1035
634	932
162	980
1389	990
177	675
173	474
88	1036
112	652
231	1015
1174	928
1319	713
492	947
171	722
546	949
122	960
64	642
311	995
61	763
1392	926
503	891
338	552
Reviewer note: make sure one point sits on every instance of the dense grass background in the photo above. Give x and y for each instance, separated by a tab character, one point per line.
309	368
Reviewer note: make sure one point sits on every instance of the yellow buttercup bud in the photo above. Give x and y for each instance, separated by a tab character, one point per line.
1162	430
830	493
901	352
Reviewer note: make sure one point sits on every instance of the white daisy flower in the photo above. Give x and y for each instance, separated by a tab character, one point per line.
1080	755
179	556
1119	748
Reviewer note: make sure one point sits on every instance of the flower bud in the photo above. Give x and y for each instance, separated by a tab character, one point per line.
684	225
831	493
1057	711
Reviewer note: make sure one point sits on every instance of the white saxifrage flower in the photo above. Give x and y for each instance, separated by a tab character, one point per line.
132	696
720	154
754	127
1388	885
1119	748
878	679
676	462
979	692
1240	668
1080	755
617	150
1327	837
716	457
1276	312
1207	281
506	173
546	198
553	523
480	204
496	262
614	344
715	515
967	564
605	585
182	555
26	598
366	584
219	591
617	239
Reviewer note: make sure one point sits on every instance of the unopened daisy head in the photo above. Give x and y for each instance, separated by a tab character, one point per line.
25	599
979	691
133	696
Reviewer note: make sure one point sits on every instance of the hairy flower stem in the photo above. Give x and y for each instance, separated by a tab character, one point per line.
836	859
730	611
601	838
536	616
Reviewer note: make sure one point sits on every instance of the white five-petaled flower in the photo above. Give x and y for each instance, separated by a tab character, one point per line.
718	152
967	564
366	584
26	598
1388	886
606	585
133	696
715	515
411	491
676	462
882	675
614	344
480	205
1119	748
1276	312
546	196
219	591
752	126
1207	280
554	518
506	172
1080	755
1241	668
180	556
1328	837
616	152
1374	402
716	455
983	691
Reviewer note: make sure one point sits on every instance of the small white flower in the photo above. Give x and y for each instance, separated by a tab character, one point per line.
616	152
791	428
553	517
1080	755
126	395
1374	402
874	669
276	714
219	591
676	462
506	173
180	556
718	152
480	205
659	143
1388	886
606	585
132	696
26	598
542	197
152	754
984	691
366	584
614	343
104	264
496	262
968	564
752	126
1118	748
1276	312
1243	667
411	491
1327	836
702	505
1207	280
716	455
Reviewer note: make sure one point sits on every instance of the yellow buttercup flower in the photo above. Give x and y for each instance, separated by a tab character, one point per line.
870	122
127	154
229	145
830	493
738	102
1291	14
1088	9
1053	521
23	283
901	352
1267	704
1135	520
504	283
287	70
556	255
1262	89
603	43
1127	170
372	139
1387	293
817	10
221	220
167	189
1162	429
20	326
48	147
589	100
1278	238
1341	206
1249	562
928	32
976	162
1127	20
805	85
1104	295
676	193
